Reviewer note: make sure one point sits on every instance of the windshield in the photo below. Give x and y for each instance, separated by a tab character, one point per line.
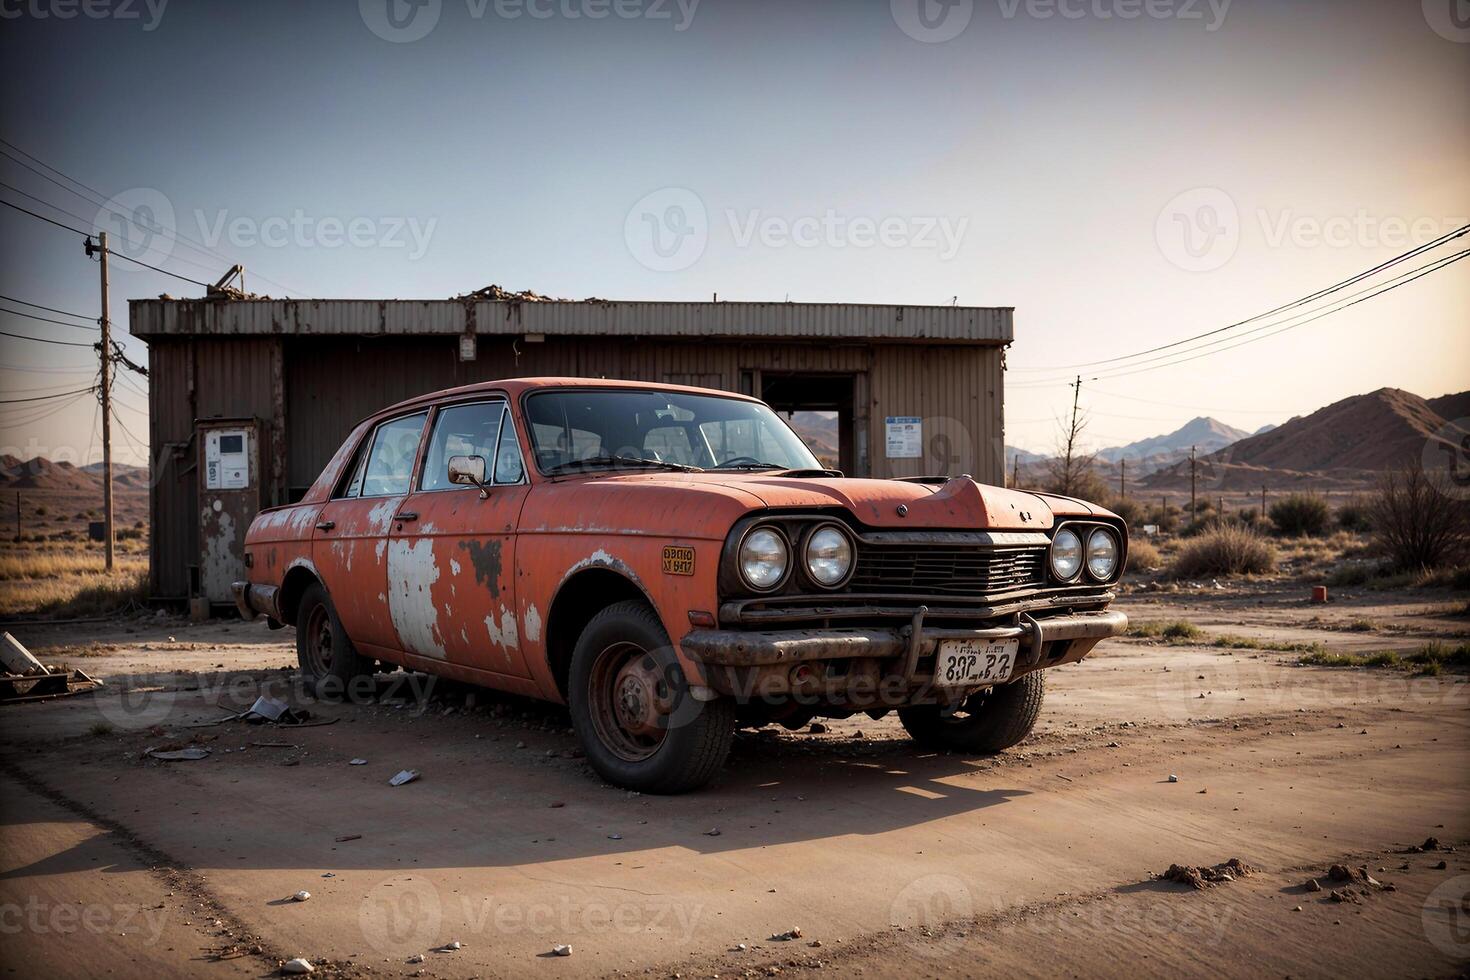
578	427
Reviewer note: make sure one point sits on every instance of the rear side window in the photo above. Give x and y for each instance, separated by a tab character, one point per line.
389	467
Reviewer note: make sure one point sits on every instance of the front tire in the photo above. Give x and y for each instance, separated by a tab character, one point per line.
331	667
632	709
986	722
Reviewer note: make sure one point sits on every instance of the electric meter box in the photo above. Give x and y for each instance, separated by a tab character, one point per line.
227	459
229	498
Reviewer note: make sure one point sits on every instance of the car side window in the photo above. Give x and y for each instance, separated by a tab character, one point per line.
461	430
390	463
509	466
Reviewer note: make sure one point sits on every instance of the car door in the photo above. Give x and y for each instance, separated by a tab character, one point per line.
349	545
451	561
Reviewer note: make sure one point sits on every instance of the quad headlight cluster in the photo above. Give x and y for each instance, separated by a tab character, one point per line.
765	557
1069	553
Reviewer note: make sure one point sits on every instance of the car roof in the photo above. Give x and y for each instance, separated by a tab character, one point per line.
514	387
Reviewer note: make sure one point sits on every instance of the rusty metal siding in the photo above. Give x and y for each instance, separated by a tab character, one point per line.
193	379
958	394
773	321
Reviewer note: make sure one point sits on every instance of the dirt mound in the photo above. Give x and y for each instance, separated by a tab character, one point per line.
1205	877
41	473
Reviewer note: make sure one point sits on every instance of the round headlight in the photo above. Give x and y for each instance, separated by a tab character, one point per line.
1102	554
1066	554
763	558
828	556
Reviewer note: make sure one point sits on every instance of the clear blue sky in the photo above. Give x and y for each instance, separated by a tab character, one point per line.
1051	146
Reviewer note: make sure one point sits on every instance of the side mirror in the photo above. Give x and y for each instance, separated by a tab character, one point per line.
468	471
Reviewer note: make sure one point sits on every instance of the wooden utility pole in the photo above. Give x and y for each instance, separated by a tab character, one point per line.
106	396
1263	501
1016	471
1122	479
1193	507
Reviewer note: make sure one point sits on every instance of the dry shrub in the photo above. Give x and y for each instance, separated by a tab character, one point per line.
1225	549
1418	524
1301	514
1142	555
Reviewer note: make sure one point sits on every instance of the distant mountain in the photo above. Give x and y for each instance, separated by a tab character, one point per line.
819	431
1025	455
43	474
1205	435
1264	429
1348	442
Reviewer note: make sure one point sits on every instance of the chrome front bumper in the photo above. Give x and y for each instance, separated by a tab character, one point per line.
1045	641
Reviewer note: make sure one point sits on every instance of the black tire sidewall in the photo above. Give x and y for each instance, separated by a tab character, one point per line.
344	676
1005	719
699	735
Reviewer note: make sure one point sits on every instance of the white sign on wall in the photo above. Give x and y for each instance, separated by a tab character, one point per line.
904	437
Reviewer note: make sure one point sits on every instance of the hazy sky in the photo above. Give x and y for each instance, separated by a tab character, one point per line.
1122	172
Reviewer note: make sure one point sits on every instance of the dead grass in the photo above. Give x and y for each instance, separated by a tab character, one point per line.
61	582
1224	550
1431	658
1142	556
1180	632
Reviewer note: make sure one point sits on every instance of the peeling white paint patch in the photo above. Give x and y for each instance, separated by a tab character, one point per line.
412	573
505	636
303	562
382	515
454	566
532	619
381	548
464	634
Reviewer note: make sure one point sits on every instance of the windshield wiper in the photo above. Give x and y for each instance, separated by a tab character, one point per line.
611	460
749	466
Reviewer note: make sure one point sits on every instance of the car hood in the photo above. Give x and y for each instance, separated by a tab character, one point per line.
655	498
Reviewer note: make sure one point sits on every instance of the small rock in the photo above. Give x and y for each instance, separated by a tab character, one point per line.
301	896
298	965
416	958
357	762
562	950
1430	844
1440	866
1173	778
712	832
1313	885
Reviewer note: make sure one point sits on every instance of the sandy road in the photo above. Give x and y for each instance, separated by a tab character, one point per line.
892	861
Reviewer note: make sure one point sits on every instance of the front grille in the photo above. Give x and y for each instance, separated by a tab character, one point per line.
928	570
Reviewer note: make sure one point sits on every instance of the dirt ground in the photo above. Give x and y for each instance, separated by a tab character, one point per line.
889	861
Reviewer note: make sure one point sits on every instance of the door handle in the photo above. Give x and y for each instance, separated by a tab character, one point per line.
325	525
407	515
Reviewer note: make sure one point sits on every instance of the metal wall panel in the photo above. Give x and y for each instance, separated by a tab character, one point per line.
776	321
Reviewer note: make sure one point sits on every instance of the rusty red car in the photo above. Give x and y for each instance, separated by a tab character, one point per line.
672	563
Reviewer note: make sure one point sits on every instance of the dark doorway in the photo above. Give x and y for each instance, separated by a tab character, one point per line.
819	406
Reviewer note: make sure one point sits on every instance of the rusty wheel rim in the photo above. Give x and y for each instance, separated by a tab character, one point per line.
319	639
630	700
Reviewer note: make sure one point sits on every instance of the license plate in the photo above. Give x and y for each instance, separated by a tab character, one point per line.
962	663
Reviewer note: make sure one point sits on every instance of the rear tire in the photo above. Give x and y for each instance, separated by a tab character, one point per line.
331	667
632	709
986	722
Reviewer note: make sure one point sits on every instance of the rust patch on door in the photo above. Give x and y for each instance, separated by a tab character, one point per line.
485	559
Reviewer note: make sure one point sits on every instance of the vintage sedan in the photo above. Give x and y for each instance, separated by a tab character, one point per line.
671	563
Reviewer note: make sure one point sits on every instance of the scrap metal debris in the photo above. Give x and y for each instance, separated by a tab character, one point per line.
404	776
298	965
25	678
190	754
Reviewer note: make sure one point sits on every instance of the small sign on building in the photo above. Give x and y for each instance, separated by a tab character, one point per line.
903	437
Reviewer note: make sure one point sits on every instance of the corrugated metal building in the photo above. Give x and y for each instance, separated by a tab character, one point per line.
917	390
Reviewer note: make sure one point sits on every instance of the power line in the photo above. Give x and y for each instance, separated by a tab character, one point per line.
1448	236
103	201
39	398
1353	299
53	221
43	340
45	319
1403	280
48	309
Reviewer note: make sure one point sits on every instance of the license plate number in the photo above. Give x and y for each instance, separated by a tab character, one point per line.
961	663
